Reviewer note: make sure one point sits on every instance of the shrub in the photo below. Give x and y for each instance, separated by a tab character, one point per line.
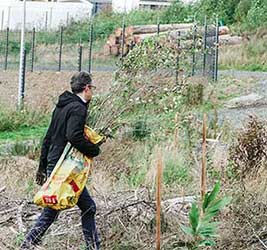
256	16
249	153
140	130
177	12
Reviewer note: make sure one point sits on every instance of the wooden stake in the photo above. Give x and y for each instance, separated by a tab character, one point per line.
204	152
158	198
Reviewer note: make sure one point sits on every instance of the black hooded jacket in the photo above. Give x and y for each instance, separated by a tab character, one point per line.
67	125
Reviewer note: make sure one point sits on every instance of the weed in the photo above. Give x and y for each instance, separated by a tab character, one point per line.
176	171
29	189
19	238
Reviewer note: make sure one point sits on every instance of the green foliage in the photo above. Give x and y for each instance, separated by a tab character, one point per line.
23	134
176	171
177	12
242	10
140	130
14	47
225	9
14	120
106	22
19	238
256	15
202	227
26	148
29	189
153	57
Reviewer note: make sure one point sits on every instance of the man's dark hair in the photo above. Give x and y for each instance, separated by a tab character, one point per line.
79	81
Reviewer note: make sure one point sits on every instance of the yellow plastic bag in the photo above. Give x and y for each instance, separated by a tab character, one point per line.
65	184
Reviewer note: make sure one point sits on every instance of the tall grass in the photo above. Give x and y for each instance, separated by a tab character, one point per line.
251	55
15	120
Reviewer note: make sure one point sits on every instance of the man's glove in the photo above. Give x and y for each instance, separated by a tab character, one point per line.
40	177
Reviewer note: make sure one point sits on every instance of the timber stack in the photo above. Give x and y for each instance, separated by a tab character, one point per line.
138	33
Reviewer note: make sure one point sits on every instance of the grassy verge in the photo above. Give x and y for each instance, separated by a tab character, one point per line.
250	55
22	134
22	125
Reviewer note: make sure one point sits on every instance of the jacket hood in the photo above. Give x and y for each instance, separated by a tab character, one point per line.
68	97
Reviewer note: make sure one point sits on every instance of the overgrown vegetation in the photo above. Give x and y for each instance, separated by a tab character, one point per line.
144	109
250	55
245	15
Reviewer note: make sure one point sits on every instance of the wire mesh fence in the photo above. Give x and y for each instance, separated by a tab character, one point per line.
195	50
55	55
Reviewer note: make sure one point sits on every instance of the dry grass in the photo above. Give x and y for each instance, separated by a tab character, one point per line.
17	175
126	218
244	225
250	55
43	88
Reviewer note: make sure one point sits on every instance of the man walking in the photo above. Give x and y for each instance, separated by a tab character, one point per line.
67	125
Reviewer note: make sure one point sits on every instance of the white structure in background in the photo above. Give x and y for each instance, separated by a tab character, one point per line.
41	14
128	5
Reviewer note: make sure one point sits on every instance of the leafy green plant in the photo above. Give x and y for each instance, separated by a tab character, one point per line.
203	229
19	238
140	130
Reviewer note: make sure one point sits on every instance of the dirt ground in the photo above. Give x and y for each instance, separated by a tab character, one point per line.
42	88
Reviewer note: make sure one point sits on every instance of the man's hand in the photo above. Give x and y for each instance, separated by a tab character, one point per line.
102	141
40	177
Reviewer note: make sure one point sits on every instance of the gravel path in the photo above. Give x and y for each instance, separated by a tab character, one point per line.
236	117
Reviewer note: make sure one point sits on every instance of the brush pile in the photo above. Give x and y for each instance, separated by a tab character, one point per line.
125	218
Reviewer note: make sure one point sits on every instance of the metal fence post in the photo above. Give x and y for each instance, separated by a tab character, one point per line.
60	48
216	50
33	48
46	20
80	51
158	26
205	46
68	17
123	39
90	46
178	59
22	85
51	18
23	74
7	42
8	16
194	48
2	19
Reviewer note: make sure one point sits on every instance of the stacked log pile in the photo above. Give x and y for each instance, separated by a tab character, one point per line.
138	33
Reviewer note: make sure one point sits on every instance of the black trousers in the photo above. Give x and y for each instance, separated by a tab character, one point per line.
48	216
